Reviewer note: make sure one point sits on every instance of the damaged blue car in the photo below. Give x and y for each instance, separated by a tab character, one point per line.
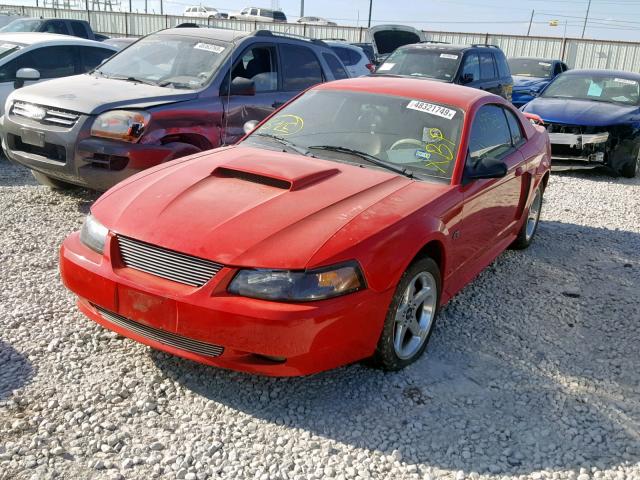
593	120
531	76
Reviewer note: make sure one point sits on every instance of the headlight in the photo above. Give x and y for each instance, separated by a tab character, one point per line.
120	125
288	285
93	234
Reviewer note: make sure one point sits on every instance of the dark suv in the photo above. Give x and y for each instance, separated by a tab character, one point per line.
478	66
173	93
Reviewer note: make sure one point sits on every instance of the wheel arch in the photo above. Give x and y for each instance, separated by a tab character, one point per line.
190	138
435	250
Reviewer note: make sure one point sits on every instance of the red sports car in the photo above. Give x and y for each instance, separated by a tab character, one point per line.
332	233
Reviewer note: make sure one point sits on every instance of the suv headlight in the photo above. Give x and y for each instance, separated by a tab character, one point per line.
120	125
93	234
291	286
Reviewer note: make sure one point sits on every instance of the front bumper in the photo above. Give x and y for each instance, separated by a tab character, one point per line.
570	150
70	154
192	322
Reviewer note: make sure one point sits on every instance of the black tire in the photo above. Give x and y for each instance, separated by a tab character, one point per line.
632	168
182	149
525	235
48	181
385	356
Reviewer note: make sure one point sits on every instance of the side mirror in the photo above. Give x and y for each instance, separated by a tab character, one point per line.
486	168
24	74
242	86
467	78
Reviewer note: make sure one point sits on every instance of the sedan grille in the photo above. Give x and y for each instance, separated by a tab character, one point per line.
45	115
162	336
166	263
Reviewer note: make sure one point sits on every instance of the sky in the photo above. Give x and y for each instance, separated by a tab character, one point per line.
609	19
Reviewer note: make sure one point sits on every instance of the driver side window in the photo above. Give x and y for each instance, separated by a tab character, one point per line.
490	135
259	64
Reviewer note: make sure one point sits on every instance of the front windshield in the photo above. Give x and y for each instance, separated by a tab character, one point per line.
529	67
22	25
167	61
408	134
426	63
596	87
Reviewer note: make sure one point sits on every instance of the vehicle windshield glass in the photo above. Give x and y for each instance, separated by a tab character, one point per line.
405	133
7	48
426	63
22	25
210	9
597	87
529	67
168	61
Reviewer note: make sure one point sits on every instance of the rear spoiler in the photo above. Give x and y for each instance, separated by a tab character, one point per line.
533	118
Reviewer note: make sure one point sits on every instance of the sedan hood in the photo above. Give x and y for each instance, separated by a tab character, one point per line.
579	112
91	94
244	206
528	82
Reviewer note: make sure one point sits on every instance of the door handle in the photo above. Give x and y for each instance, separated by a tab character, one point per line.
277	104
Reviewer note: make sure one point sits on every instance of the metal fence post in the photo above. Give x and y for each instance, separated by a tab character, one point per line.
563	49
126	24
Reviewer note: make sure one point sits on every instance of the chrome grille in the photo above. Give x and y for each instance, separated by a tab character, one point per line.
162	336
47	115
166	263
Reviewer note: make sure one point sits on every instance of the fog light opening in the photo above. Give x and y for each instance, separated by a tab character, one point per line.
271	358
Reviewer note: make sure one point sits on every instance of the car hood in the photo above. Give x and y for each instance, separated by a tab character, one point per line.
91	94
527	82
244	206
580	112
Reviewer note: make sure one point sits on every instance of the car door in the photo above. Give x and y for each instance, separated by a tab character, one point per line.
489	80
491	206
258	62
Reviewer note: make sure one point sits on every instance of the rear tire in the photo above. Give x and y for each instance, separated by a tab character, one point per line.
50	182
411	317
530	225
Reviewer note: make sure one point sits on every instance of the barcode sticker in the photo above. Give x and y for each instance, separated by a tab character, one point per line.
431	108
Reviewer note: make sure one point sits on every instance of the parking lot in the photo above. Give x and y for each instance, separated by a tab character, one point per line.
533	371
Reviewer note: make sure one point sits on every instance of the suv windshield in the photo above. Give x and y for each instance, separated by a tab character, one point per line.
22	25
167	61
422	62
595	87
528	67
404	134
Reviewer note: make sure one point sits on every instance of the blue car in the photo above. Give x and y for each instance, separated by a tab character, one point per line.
593	120
531	76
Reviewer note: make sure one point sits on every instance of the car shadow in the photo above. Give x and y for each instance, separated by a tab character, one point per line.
15	370
12	175
532	366
600	174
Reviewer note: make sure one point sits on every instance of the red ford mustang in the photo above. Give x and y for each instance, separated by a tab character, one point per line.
332	233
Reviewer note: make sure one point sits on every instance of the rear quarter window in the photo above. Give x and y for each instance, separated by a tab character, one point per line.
336	67
79	30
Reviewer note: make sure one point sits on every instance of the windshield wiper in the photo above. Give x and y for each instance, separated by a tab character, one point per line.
129	79
285	143
365	156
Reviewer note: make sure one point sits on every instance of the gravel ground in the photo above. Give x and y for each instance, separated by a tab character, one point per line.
533	371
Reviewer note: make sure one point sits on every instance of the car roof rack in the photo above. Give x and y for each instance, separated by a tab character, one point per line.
271	33
491	45
335	39
436	41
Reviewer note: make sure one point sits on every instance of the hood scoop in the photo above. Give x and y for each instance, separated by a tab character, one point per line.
277	173
223	172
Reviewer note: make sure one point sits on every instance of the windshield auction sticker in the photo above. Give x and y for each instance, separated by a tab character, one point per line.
209	47
449	56
431	109
625	81
386	66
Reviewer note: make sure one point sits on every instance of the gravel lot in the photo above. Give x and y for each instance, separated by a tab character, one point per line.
533	371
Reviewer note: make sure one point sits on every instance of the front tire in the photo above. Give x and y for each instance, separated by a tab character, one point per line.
530	225
51	182
411	317
631	169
